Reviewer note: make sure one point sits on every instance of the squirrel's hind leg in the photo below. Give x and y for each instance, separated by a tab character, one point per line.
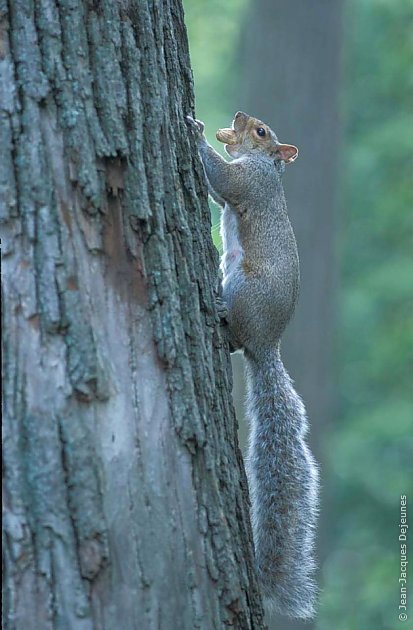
222	311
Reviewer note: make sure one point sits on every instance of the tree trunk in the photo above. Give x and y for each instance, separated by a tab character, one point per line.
296	47
125	496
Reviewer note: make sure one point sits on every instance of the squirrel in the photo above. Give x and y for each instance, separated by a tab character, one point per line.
260	284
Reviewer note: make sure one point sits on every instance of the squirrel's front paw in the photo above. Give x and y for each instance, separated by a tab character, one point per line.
197	127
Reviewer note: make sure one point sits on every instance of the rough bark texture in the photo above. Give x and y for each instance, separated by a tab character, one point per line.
125	496
290	62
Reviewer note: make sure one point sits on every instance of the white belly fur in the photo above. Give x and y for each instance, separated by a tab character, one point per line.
232	250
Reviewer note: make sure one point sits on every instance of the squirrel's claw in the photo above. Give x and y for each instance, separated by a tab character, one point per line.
222	309
197	126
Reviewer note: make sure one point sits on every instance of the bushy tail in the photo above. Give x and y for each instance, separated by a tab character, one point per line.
283	482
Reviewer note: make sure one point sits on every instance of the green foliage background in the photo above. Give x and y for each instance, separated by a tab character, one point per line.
370	443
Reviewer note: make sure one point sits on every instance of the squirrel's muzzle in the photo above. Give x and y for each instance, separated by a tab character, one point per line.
228	136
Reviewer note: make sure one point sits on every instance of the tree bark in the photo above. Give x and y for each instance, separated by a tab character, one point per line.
290	60
125	496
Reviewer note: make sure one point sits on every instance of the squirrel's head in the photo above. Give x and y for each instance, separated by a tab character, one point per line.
250	135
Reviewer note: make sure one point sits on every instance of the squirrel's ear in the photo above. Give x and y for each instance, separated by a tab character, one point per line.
286	152
240	121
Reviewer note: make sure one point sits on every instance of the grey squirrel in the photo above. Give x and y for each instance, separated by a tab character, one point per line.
260	286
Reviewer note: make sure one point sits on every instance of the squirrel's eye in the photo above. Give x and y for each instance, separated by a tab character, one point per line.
261	131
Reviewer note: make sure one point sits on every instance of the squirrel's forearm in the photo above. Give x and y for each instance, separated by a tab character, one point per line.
221	174
213	193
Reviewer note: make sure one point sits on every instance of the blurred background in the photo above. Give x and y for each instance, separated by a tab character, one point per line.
335	78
